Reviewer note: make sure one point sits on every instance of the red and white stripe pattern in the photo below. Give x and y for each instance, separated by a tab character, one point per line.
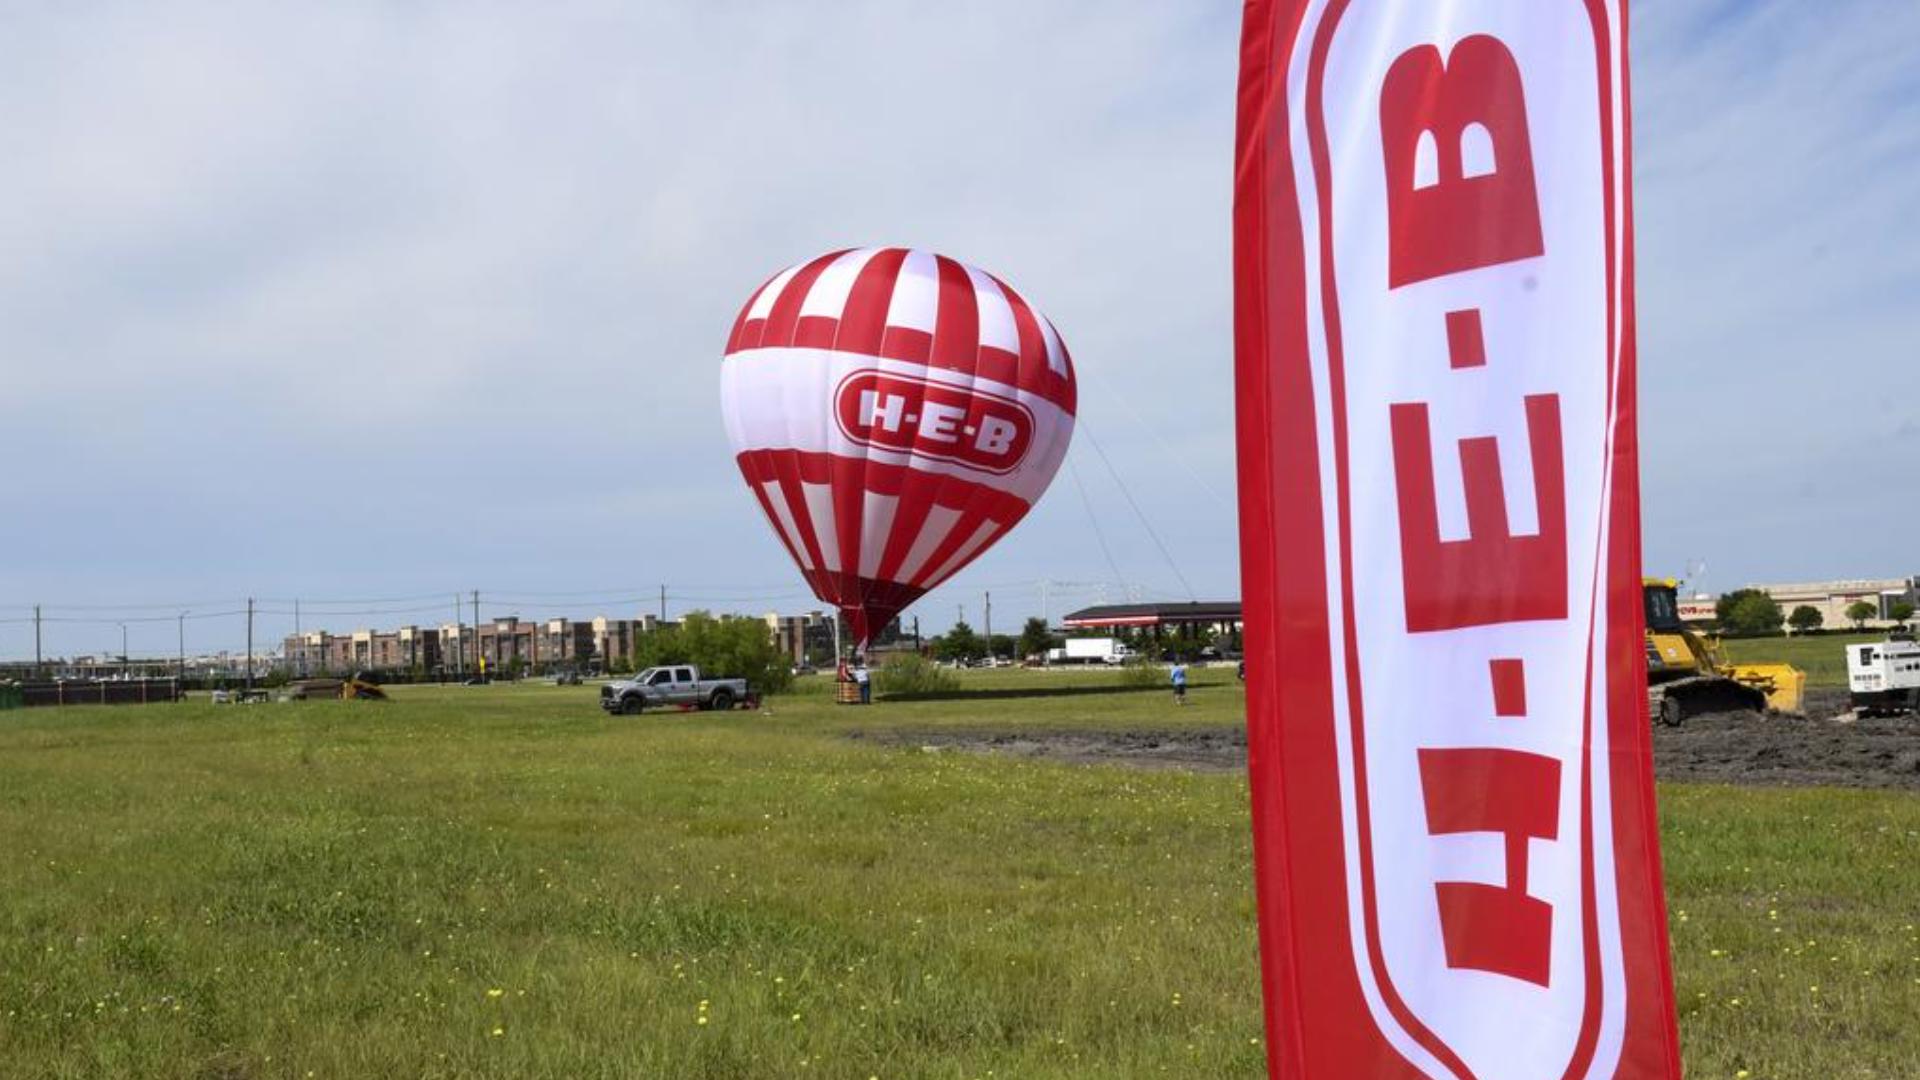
874	528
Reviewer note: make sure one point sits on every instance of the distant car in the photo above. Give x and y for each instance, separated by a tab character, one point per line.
566	678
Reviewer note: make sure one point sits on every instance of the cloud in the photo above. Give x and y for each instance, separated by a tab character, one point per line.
1776	145
376	299
356	300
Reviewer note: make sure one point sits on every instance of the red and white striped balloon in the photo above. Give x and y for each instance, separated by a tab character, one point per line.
895	412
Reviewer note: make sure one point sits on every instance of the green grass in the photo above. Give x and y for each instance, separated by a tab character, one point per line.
1822	656
500	881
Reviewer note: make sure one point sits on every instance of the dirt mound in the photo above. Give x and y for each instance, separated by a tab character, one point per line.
1744	748
1727	748
1217	750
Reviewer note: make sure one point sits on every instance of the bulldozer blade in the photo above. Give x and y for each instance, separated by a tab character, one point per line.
1784	684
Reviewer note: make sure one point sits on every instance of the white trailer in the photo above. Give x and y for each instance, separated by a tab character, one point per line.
1096	650
1884	676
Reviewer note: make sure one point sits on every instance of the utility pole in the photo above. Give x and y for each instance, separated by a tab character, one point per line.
663	604
180	672
123	650
476	630
249	642
989	597
299	645
36	641
459	640
916	633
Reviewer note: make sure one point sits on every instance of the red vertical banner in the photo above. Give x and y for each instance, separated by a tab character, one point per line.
1455	840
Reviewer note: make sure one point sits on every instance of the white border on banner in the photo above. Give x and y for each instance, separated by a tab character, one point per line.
1612	1017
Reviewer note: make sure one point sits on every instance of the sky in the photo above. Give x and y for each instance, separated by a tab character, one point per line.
366	305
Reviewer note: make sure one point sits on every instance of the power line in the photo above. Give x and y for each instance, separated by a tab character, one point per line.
304	608
1139	513
648	592
1093	520
311	602
1153	430
634	590
324	609
139	607
137	618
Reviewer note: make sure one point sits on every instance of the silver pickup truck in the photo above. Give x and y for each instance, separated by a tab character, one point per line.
678	685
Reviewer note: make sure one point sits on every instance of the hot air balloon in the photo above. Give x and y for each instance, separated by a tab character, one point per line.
896	413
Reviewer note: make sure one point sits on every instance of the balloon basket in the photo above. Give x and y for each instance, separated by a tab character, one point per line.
847	693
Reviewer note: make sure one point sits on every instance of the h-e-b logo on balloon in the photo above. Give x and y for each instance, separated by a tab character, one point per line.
934	420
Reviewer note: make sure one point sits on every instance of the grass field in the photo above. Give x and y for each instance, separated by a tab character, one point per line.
1822	656
501	881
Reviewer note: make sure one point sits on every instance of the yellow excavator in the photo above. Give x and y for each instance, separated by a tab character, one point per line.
1689	674
354	689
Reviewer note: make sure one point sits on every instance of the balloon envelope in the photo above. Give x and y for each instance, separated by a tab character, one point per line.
895	412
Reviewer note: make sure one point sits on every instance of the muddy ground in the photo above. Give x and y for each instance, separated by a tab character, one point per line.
1821	748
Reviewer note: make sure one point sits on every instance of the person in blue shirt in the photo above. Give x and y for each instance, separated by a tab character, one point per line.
1179	682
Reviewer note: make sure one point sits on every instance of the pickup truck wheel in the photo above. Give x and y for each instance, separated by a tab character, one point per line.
721	701
631	706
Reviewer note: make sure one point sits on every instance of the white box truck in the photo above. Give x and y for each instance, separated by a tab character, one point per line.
1092	650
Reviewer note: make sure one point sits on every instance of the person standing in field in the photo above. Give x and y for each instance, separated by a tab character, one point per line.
866	686
1179	682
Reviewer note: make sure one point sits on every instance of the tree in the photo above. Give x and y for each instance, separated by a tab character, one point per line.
734	648
1001	645
1805	618
1143	673
1748	612
1035	638
1860	611
908	674
1177	647
959	643
1900	610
